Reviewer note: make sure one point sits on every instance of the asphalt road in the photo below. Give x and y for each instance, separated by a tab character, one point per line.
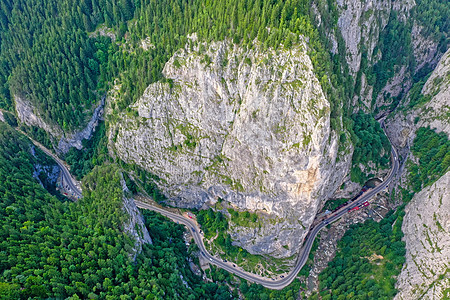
67	178
278	283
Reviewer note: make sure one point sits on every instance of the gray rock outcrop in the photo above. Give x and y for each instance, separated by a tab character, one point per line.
360	23
427	234
427	221
136	226
435	113
249	126
30	116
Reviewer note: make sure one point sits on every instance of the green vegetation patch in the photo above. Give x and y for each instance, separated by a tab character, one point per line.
54	249
433	151
140	180
370	142
9	118
415	96
369	258
258	292
215	226
433	15
38	134
58	69
333	204
165	263
243	218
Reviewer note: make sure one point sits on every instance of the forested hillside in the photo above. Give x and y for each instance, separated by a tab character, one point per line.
55	249
48	57
370	257
433	153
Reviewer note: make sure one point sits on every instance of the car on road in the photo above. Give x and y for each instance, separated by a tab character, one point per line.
234	265
224	260
193	230
282	276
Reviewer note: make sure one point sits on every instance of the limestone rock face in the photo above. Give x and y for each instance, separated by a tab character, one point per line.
427	234
249	126
136	226
426	224
29	115
435	113
360	23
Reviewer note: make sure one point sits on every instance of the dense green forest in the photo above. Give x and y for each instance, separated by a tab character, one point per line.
369	258
433	153
371	145
55	249
48	57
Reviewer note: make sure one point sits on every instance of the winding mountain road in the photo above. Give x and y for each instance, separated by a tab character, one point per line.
67	178
281	283
278	283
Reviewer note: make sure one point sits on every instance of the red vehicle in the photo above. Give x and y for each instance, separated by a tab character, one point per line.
354	208
366	203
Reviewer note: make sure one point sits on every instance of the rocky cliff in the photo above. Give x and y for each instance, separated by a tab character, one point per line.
426	224
249	126
29	115
434	113
427	234
362	25
136	226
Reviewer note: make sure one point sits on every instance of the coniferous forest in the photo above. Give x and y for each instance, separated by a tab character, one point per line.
64	56
57	249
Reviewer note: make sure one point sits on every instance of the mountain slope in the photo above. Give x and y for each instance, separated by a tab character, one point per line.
427	234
